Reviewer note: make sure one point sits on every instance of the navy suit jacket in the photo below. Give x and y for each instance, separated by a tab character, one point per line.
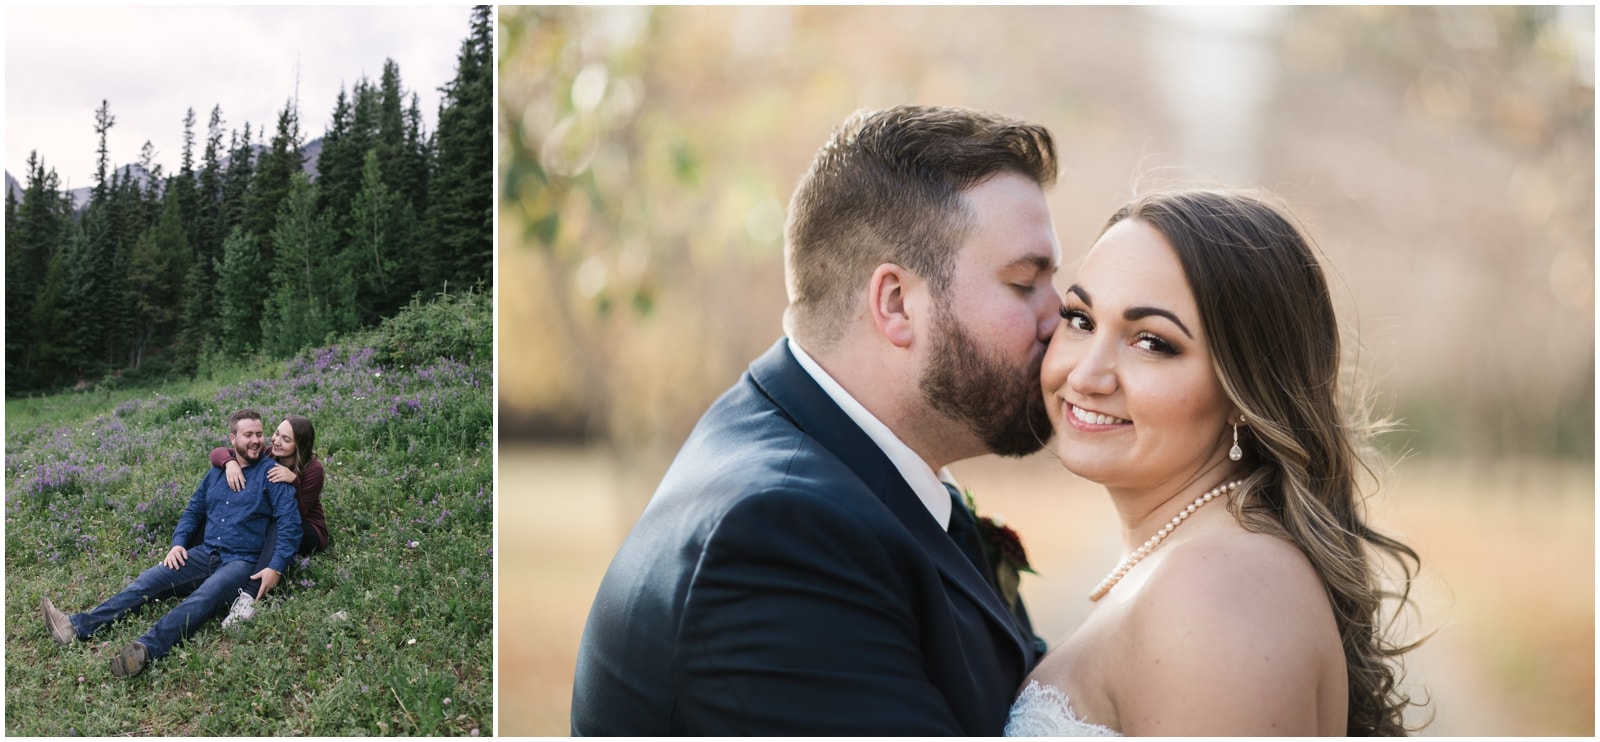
785	580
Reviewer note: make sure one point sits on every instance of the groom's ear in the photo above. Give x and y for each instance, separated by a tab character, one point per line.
888	299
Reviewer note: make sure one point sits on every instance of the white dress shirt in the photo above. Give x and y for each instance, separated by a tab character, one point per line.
917	473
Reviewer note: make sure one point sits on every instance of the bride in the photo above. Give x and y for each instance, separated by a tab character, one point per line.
1194	375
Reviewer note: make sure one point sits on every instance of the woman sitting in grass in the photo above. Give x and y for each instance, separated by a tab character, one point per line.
292	447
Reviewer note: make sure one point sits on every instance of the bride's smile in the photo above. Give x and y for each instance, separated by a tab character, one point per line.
1083	419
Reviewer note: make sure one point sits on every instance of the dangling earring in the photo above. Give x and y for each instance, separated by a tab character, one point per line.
1236	452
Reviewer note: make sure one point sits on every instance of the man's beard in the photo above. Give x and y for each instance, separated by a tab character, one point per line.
1000	403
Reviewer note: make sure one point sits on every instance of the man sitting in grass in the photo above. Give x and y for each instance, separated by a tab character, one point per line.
212	572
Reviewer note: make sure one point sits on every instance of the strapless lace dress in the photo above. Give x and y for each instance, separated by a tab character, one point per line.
1044	711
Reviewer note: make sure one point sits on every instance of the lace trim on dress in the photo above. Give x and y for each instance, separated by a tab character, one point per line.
1045	711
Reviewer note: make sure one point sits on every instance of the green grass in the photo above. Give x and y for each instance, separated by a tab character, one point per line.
389	632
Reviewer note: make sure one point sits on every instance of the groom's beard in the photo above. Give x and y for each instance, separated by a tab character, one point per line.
1000	403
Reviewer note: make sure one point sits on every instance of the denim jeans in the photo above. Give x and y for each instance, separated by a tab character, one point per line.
209	584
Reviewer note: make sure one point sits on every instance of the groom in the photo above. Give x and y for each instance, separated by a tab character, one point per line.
805	567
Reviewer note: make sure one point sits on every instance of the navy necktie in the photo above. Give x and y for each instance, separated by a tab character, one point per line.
964	531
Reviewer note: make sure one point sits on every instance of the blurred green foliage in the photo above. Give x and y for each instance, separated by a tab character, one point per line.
626	235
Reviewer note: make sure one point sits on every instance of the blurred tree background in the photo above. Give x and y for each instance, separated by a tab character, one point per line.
1442	157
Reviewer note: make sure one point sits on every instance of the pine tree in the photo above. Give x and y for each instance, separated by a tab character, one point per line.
132	209
16	343
203	297
83	295
461	207
36	228
149	197
186	165
310	296
381	228
208	214
11	216
271	184
339	165
96	267
239	288
364	107
198	284
103	121
199	314
156	269
391	127
185	184
52	351
236	181
415	159
11	206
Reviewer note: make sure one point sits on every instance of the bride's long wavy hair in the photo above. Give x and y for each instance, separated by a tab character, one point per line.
1275	346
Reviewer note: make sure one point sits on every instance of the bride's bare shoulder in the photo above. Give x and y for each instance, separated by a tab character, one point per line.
1236	579
1236	566
1232	616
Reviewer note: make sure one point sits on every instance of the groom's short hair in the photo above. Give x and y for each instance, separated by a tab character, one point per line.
245	414
886	188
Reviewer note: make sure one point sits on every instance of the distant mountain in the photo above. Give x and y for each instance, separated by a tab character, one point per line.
80	196
313	152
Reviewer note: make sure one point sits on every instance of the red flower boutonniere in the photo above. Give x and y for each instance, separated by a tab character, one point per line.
1003	548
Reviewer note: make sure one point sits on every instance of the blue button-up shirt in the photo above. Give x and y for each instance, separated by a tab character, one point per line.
236	522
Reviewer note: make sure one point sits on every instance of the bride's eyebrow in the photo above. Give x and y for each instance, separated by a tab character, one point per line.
1138	313
1134	313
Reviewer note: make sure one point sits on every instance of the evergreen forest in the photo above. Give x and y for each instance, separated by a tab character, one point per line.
246	251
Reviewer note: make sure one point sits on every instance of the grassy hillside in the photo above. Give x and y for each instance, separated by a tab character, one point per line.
389	632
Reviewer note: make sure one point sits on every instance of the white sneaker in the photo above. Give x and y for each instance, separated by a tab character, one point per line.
243	609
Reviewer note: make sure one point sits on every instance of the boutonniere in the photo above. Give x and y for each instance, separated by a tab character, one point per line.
1003	548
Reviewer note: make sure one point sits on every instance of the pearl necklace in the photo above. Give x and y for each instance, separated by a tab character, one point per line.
1140	553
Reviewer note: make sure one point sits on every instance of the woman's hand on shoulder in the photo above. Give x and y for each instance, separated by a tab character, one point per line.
235	475
1229	637
282	474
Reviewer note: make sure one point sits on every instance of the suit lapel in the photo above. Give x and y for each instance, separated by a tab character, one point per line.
957	569
782	379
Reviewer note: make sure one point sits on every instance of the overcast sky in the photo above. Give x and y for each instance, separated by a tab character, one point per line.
154	63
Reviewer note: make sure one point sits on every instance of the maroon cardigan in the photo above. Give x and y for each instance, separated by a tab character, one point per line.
308	493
